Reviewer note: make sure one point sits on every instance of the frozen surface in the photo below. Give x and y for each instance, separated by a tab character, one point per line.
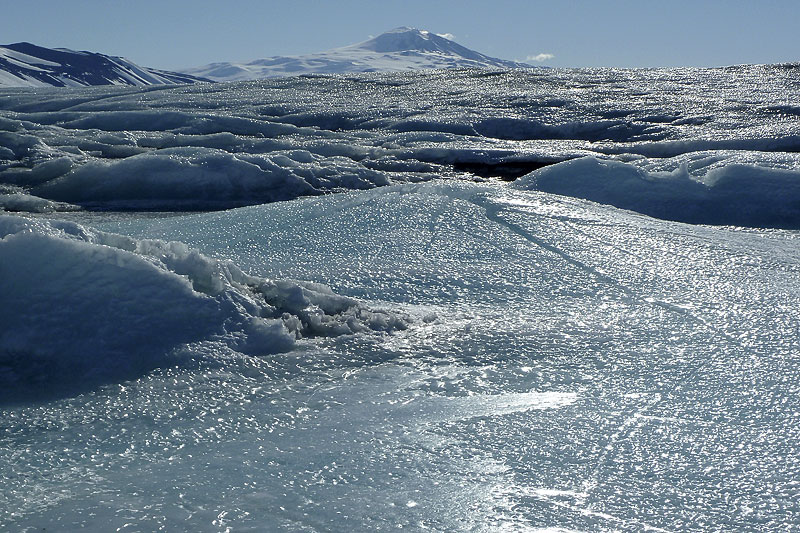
461	355
567	366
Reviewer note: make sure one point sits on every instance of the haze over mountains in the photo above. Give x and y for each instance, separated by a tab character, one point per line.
28	65
399	49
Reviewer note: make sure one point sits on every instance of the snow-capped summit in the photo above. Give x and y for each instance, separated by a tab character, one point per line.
28	65
399	49
404	39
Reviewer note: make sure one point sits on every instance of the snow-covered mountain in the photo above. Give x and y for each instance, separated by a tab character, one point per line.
399	49
28	65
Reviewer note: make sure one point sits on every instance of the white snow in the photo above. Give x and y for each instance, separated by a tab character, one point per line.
25	59
7	79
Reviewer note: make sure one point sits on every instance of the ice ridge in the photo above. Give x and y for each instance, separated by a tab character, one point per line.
81	307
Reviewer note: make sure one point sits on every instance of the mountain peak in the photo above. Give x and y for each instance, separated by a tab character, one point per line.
28	65
402	48
404	39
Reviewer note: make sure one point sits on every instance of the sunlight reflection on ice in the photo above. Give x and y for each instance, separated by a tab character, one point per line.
487	405
502	404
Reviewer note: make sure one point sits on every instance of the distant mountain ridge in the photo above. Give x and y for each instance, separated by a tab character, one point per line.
399	49
28	65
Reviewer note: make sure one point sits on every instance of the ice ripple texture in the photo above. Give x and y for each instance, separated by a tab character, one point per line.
227	145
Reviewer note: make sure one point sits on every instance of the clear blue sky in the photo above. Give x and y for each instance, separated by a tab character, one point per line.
171	34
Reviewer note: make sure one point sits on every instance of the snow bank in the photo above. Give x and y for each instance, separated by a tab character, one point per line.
738	195
81	307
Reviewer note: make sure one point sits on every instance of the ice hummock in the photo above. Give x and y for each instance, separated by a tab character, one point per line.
736	194
82	307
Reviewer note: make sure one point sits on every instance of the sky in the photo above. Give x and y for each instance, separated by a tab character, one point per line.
175	34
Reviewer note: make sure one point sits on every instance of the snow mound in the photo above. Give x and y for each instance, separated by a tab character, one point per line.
82	307
735	195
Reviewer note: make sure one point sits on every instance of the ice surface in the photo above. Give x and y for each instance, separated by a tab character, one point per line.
228	145
570	365
565	365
